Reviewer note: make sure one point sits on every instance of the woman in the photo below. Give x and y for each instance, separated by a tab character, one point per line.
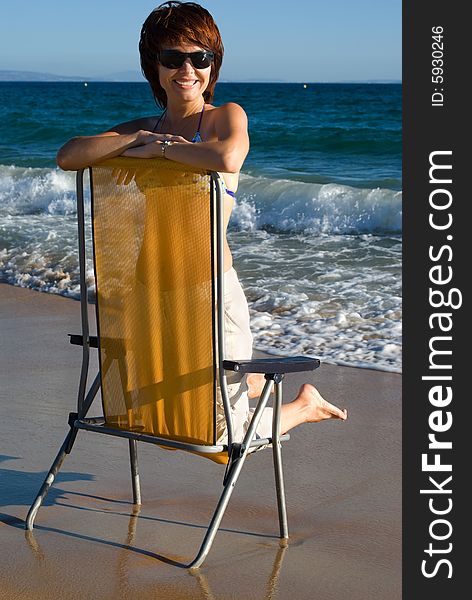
181	54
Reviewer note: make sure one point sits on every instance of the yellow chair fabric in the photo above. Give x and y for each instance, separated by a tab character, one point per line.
152	227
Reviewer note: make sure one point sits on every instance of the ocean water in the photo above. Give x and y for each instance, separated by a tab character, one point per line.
316	230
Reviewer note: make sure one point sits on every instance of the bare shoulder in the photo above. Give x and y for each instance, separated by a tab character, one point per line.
144	123
230	110
228	119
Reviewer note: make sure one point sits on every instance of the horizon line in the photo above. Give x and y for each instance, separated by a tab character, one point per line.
53	78
259	81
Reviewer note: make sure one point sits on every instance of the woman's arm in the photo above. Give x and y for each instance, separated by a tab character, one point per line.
81	152
227	154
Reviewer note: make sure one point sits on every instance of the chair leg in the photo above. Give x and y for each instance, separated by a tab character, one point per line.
56	465
133	455
230	480
219	512
279	486
277	455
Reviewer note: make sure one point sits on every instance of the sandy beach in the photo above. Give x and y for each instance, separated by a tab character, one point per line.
343	485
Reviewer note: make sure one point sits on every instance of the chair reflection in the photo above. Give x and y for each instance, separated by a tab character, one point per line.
123	587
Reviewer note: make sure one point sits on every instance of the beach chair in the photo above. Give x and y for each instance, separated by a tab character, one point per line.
157	242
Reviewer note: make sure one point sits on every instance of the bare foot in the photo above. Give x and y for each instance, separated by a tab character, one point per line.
316	407
255	383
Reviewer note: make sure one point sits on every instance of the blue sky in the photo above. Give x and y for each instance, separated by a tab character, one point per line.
303	40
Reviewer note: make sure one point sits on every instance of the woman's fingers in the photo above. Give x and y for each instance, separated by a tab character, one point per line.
129	177
179	138
123	176
150	137
120	176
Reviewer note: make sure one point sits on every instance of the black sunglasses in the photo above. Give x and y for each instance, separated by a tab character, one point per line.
174	59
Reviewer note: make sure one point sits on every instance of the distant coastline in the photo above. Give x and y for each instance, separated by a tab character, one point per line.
31	76
136	77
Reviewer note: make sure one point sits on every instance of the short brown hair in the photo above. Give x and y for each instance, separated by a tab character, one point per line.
174	23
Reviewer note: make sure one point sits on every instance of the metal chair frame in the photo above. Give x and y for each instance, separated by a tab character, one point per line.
273	369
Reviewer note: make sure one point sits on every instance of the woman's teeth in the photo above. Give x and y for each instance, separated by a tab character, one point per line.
186	84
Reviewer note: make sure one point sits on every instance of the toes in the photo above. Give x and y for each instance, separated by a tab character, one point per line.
318	408
334	411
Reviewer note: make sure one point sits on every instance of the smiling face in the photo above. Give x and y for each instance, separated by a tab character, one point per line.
181	26
186	83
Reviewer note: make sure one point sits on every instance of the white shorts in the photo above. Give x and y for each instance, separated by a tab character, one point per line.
238	346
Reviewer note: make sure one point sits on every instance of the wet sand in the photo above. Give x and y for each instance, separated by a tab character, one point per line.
343	485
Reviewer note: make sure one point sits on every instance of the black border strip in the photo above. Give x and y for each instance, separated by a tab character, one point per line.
435	266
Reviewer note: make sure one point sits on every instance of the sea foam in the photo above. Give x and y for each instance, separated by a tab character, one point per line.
27	190
320	264
294	206
280	205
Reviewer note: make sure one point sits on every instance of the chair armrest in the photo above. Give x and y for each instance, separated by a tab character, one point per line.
78	340
272	365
